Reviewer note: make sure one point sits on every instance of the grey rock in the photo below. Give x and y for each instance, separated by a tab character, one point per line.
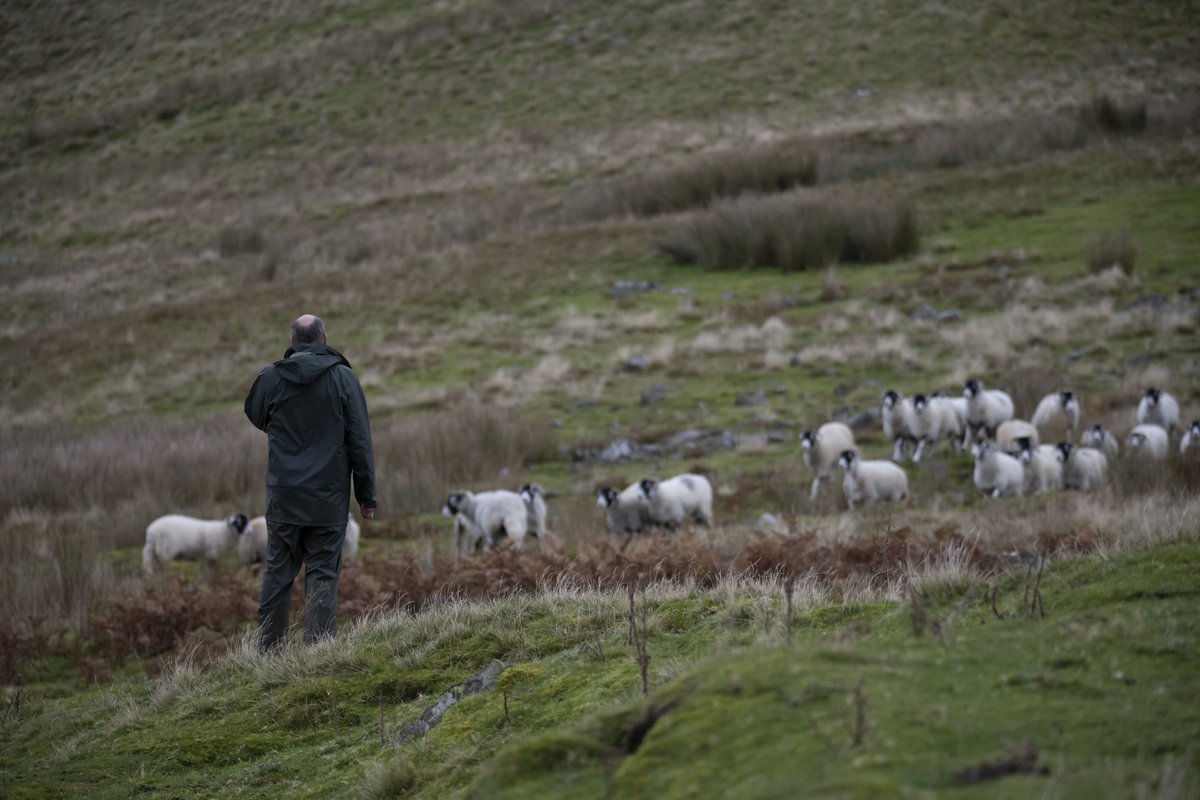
621	288
953	315
636	363
483	681
924	312
680	291
757	398
870	418
655	394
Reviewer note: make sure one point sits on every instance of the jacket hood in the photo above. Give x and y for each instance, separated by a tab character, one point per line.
304	363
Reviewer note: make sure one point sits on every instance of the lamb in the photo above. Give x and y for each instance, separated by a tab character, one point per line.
1158	408
1083	467
871	481
1043	470
1060	406
899	423
535	508
626	511
997	473
1148	440
1010	431
1101	438
936	419
672	501
1191	438
487	518
252	544
176	536
986	409
822	450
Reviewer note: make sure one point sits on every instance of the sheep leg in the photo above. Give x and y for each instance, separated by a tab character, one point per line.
816	485
896	454
920	449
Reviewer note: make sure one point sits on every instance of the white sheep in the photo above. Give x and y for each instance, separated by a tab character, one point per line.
986	409
871	481
899	423
997	473
936	418
674	500
176	536
252	544
535	508
1149	441
1191	438
1158	408
1101	438
1010	431
483	520
1043	470
1084	468
1057	407
626	511
822	450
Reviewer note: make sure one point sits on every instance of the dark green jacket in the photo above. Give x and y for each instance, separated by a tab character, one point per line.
312	408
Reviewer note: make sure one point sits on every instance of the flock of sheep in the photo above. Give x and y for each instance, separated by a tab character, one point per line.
1009	458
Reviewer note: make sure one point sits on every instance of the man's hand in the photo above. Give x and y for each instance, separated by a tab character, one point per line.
368	512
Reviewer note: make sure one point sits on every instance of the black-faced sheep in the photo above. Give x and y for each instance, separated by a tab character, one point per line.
899	423
673	501
1010	431
822	450
483	520
1148	441
871	481
1084	468
1101	438
937	418
986	409
1043	470
1158	408
625	511
1057	408
535	508
1191	438
176	536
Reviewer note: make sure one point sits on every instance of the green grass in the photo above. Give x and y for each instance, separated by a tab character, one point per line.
1103	684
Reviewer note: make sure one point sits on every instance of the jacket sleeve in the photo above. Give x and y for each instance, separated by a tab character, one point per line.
358	442
256	404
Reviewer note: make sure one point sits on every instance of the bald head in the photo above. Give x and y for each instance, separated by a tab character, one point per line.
308	329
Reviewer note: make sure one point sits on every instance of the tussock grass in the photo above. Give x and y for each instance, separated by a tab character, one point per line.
794	233
1112	250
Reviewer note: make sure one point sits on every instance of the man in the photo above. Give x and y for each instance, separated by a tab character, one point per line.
312	408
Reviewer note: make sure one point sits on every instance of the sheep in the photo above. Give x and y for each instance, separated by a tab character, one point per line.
936	418
1148	440
986	409
176	536
1191	438
672	501
822	449
997	473
899	423
871	481
626	511
486	518
1043	470
535	508
1158	408
1010	431
1061	406
1101	438
1084	468
252	544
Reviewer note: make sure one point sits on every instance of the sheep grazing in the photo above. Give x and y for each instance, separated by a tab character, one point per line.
1084	468
177	537
1043	470
1149	441
252	544
1057	407
871	481
936	418
1158	408
535	508
626	511
1010	431
1191	438
1101	438
899	423
986	409
997	473
674	500
483	520
822	450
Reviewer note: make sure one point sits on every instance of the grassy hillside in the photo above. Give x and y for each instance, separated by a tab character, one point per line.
537	229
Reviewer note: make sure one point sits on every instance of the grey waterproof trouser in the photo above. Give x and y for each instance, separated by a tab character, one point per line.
319	550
